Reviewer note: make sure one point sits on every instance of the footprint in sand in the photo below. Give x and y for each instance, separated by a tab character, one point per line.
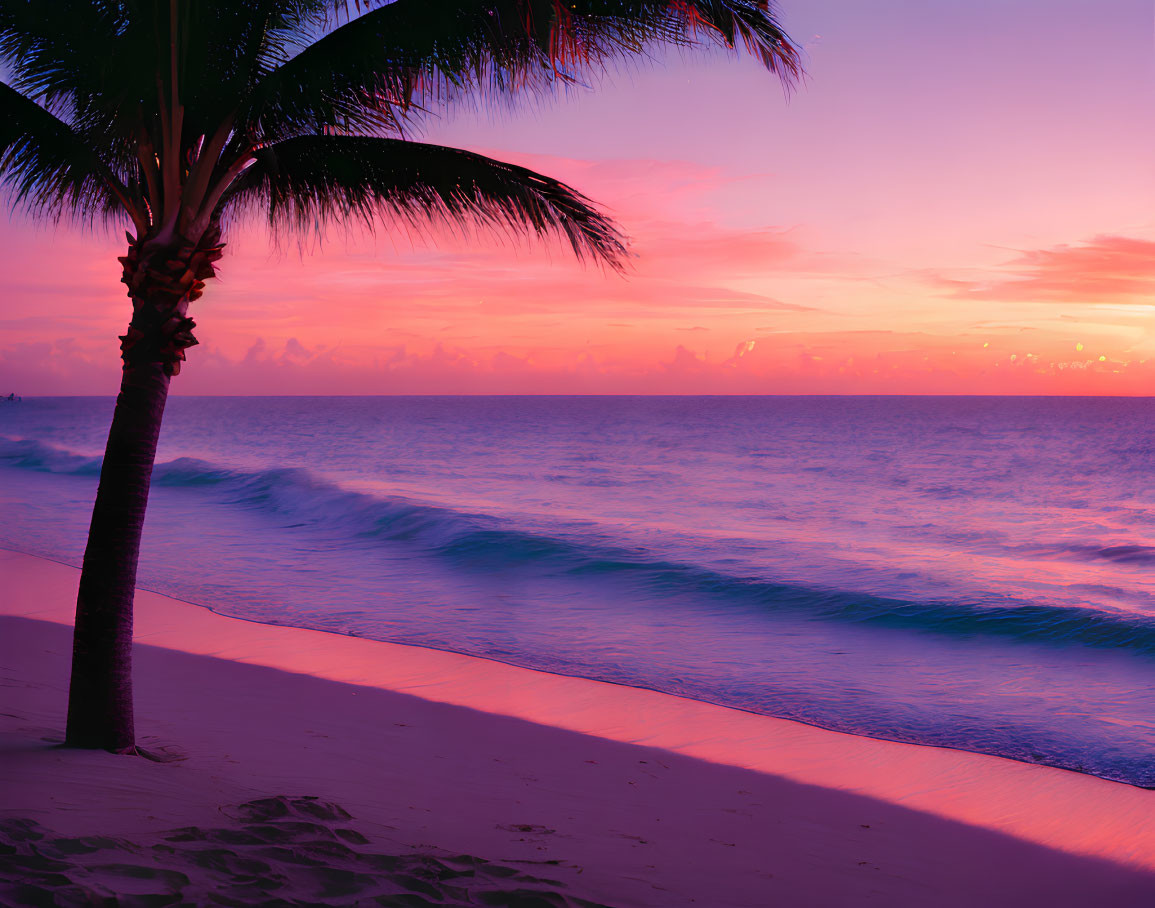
292	850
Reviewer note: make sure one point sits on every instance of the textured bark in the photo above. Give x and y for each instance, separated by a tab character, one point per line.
100	697
162	279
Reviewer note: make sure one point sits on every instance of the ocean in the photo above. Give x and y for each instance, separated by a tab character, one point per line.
968	572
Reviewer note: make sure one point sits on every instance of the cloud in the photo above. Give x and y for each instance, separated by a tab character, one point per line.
830	362
707	247
1106	268
685	361
716	268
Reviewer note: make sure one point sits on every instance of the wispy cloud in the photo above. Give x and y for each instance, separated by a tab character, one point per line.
1116	269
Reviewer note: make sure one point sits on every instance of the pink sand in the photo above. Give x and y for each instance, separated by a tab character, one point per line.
645	799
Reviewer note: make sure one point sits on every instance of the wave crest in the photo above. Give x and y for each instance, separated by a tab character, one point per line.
484	542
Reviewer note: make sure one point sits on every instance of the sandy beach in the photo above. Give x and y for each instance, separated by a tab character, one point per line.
329	769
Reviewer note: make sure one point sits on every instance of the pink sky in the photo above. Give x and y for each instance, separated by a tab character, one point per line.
959	199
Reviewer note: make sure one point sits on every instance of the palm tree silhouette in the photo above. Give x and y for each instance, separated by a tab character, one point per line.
181	116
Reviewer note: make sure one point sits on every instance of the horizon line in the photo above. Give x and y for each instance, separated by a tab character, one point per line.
22	397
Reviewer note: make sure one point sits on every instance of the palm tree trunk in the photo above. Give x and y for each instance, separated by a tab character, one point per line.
100	696
163	277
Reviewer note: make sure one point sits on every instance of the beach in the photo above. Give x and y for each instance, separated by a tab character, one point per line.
519	784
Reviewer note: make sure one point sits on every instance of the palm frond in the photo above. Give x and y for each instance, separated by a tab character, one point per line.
66	47
230	46
366	74
49	168
302	181
104	66
87	62
155	105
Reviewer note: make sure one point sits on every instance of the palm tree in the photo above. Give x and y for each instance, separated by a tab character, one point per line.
183	116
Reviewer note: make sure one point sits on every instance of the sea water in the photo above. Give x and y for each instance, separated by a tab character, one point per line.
976	573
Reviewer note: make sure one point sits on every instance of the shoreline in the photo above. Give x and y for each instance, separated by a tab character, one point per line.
208	608
627	396
920	816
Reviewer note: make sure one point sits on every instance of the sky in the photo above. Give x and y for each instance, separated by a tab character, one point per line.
958	199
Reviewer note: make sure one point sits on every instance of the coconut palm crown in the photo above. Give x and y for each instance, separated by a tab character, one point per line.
177	117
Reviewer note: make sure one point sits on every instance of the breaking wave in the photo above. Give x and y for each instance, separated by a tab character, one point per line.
471	541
